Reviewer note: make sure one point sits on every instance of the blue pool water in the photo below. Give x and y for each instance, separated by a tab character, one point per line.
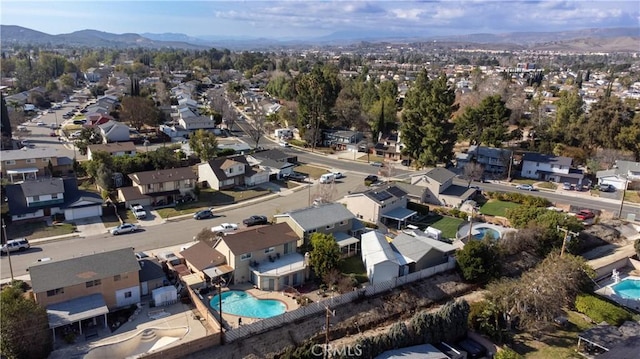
482	231
628	288
243	304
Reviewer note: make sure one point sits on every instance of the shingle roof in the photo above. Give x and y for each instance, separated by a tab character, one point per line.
551	159
379	195
217	164
16	196
59	274
260	238
26	153
321	216
202	256
150	269
440	175
162	176
273	154
42	187
113	147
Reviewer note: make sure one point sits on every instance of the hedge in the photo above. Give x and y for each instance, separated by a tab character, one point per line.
516	197
600	310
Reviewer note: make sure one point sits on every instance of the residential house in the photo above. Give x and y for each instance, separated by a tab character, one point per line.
86	287
151	275
381	262
389	146
92	75
330	218
277	163
420	251
621	175
161	187
341	139
113	131
229	172
205	261
33	163
265	256
96	119
114	149
386	205
495	161
550	168
43	198
439	188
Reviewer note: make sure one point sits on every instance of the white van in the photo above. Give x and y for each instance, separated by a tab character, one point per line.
327	178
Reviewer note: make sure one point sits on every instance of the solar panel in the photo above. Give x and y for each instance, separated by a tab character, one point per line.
396	191
380	196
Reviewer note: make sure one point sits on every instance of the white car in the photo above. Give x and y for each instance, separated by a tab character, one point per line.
285	144
338	175
224	228
124	228
138	211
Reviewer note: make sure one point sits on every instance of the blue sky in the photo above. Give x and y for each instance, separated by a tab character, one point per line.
309	19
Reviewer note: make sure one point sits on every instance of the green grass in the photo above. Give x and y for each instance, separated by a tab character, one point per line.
497	208
311	171
371	158
354	265
211	198
33	230
448	225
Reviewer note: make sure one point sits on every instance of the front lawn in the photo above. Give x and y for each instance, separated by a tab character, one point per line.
311	171
632	196
497	208
448	225
210	198
33	230
353	265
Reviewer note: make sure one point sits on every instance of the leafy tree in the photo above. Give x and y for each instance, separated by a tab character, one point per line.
477	261
88	136
5	125
427	132
486	123
569	118
325	253
104	177
629	137
163	158
139	111
204	144
23	326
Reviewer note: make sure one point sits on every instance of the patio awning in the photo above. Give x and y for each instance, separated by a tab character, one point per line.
217	271
399	214
22	170
75	310
344	239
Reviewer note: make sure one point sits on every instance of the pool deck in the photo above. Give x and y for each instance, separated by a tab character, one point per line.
231	321
605	290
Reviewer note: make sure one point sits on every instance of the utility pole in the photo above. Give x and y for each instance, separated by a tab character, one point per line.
327	325
565	239
6	241
510	163
624	190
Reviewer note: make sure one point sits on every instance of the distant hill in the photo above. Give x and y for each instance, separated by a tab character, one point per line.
598	40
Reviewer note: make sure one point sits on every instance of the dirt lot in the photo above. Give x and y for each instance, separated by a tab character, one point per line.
357	317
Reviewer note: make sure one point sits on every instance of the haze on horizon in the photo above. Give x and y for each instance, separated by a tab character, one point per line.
298	19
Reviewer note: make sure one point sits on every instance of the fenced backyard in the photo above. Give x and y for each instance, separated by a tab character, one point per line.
264	325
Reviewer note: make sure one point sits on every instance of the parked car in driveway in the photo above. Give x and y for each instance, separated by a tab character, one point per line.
224	228
296	176
525	187
606	188
205	213
124	228
255	220
138	211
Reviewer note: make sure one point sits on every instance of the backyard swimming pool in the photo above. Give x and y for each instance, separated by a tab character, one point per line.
627	288
481	232
243	304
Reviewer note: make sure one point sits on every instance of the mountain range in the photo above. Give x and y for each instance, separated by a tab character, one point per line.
597	39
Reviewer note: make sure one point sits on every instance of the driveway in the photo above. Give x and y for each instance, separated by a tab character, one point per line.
90	226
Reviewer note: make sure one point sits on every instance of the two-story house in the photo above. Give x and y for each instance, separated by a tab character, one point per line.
493	160
33	163
341	139
229	172
265	256
205	261
621	175
86	287
330	218
550	168
43	198
386	205
161	187
389	146
277	163
439	188
114	149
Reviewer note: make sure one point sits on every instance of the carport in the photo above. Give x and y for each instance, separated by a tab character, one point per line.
75	311
400	215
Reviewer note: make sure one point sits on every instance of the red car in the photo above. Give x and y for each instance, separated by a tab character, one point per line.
585	214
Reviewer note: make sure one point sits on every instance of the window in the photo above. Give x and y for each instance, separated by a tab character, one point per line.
51	293
187	183
10	162
36	198
176	184
245	256
537	164
160	186
231	170
92	283
329	226
127	294
116	277
31	160
54	196
269	250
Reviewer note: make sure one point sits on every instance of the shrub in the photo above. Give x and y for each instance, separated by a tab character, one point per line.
600	310
477	261
507	353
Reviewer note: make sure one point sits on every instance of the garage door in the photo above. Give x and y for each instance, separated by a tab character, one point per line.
84	212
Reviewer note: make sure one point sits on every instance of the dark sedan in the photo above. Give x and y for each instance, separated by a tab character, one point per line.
295	176
205	213
255	220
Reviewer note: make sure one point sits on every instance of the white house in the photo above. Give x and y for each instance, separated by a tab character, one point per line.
387	205
620	175
229	172
113	131
114	149
380	260
550	168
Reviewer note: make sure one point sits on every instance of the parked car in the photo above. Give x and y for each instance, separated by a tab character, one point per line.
606	188
585	214
41	124
371	178
141	255
567	186
285	144
255	220
14	245
526	187
338	175
138	211
124	228
205	213
377	164
296	176
224	228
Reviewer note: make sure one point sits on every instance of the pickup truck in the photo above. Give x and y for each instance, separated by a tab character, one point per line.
138	211
224	228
